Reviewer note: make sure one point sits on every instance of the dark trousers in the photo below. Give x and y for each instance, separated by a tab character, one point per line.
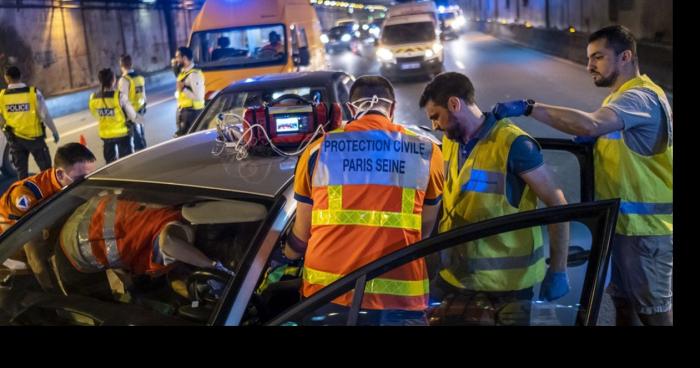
115	148
460	307
185	118
20	150
138	135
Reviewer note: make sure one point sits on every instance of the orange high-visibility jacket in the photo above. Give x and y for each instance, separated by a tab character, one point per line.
368	184
26	194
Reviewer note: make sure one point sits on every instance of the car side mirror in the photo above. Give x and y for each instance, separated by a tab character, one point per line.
303	57
578	256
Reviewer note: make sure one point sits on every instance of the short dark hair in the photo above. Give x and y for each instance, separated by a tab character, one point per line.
125	61
617	37
446	85
185	51
13	73
370	85
223	41
105	76
70	154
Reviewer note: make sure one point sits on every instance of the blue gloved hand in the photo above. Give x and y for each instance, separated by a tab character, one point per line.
55	137
554	286
220	267
509	109
584	140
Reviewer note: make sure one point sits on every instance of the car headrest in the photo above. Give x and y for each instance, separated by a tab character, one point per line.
223	212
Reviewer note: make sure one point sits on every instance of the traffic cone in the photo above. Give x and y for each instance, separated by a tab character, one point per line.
82	140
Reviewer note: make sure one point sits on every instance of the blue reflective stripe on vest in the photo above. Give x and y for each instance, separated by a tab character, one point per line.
34	188
641	208
483	181
615	136
373	157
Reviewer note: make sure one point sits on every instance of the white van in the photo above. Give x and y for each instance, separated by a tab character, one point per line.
409	43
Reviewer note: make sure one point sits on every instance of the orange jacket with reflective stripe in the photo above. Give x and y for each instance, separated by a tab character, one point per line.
368	189
26	194
121	234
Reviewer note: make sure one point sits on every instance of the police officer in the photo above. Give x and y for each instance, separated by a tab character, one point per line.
133	85
23	114
190	90
112	110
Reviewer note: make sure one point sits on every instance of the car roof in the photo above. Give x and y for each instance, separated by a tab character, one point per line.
189	161
285	80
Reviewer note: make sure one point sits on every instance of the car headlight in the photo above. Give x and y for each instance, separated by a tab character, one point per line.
355	27
374	31
365	27
357	34
429	54
346	38
384	54
324	38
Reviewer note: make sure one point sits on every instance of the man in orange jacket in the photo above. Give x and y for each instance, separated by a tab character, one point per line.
364	191
71	163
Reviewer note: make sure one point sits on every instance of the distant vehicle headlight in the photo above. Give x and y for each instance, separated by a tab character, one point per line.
355	27
429	54
374	31
346	38
384	54
357	33
324	38
365	27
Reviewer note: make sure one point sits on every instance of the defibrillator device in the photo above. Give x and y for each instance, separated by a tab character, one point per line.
288	126
284	126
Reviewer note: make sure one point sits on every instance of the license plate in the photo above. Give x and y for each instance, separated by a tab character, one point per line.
410	66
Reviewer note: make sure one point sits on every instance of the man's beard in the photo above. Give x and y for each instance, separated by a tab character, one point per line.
607	82
453	131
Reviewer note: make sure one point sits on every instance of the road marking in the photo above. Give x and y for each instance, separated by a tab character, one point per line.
92	125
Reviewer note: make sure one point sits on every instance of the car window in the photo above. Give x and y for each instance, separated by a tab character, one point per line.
239	47
102	241
466	289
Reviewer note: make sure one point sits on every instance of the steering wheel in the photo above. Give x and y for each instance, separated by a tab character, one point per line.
199	291
290	96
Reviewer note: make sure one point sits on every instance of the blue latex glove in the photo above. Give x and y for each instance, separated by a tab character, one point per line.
584	140
509	109
219	266
554	286
55	137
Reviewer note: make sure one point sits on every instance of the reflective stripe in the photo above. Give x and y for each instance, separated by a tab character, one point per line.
366	218
110	239
641	208
374	286
615	136
483	181
336	215
408	198
83	239
335	197
34	188
505	263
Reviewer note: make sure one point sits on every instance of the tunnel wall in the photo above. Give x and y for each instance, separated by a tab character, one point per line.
60	50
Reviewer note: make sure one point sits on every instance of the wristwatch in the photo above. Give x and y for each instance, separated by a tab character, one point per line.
530	105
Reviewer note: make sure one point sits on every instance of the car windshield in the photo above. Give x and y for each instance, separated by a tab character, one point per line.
240	47
408	33
233	105
446	16
337	32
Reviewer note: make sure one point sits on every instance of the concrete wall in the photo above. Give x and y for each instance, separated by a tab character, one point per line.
61	50
650	20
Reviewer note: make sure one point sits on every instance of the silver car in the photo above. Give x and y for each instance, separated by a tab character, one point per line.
184	172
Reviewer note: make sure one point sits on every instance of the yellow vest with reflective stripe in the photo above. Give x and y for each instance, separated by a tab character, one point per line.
183	101
109	114
137	87
644	184
477	192
19	108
